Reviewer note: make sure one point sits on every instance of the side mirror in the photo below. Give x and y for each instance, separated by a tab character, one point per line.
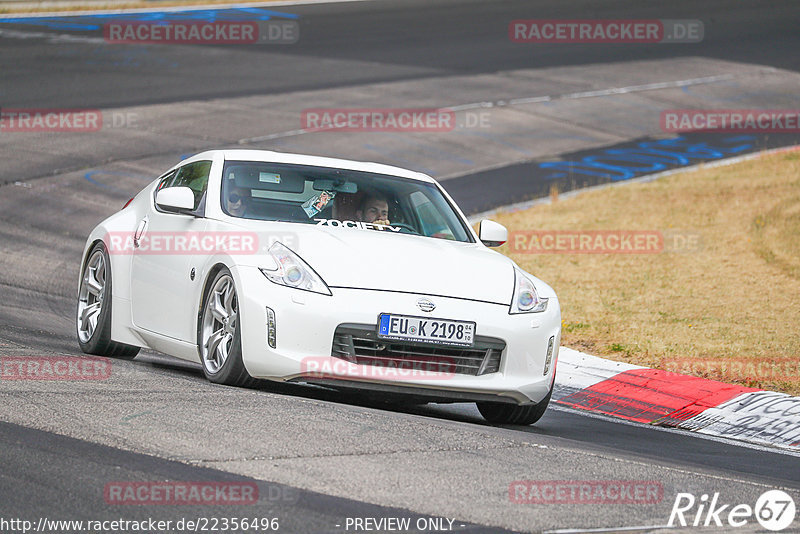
175	199
492	234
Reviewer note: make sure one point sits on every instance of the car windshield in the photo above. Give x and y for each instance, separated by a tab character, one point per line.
338	197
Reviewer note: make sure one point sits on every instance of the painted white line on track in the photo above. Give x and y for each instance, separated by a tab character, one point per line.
532	100
650	87
52	37
173	9
608	529
277	135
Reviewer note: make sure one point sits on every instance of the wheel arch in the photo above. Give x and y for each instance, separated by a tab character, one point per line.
210	275
87	251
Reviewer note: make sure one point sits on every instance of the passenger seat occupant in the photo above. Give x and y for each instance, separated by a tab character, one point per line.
236	201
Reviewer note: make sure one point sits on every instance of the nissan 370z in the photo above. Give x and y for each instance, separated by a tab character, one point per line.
268	266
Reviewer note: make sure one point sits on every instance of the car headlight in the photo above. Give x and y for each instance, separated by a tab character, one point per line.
525	299
292	271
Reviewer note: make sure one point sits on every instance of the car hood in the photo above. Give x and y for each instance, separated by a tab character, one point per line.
380	260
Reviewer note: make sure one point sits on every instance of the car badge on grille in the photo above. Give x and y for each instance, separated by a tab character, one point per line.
426	305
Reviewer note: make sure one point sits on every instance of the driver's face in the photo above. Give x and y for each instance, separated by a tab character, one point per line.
375	210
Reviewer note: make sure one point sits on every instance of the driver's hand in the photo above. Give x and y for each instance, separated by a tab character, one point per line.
384	222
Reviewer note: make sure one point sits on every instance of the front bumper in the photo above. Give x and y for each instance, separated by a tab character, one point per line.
306	322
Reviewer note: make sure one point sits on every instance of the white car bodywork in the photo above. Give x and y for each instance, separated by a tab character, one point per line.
157	298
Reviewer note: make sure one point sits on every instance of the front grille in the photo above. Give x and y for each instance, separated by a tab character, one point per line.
361	344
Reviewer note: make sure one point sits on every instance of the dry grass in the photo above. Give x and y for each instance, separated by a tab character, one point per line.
735	300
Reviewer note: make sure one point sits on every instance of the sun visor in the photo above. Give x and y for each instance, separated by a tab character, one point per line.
263	177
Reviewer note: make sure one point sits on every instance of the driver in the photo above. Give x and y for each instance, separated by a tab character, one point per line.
374	208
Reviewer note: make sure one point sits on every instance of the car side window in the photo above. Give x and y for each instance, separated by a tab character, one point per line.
433	224
195	177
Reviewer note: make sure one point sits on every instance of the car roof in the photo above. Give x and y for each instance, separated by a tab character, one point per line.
270	156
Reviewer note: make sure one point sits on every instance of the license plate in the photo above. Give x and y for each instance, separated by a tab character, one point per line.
425	329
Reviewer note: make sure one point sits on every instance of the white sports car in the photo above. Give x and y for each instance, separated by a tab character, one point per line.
294	268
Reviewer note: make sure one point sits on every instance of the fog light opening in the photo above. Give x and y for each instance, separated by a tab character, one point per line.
271	327
549	358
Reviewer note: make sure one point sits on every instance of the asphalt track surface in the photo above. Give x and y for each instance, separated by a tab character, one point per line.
336	455
384	41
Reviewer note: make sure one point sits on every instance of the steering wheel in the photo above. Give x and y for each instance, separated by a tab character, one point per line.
405	226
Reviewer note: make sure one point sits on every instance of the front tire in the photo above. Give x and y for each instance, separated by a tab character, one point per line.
509	414
220	334
94	309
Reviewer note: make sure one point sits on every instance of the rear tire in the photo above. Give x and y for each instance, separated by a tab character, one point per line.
509	414
94	309
219	336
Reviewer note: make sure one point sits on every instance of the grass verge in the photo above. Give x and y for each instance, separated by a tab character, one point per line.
721	300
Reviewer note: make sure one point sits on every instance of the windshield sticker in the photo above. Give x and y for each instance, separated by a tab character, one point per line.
269	178
356	224
317	203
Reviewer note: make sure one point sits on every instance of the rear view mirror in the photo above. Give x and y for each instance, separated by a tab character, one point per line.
322	184
492	234
175	199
